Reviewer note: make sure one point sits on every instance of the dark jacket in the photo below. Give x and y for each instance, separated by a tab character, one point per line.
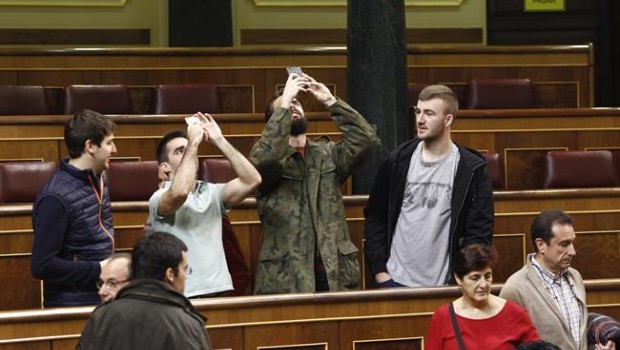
146	314
73	232
471	209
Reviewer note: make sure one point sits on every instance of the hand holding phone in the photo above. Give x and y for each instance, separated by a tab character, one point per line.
192	120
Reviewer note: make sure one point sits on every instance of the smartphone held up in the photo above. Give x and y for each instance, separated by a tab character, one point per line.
295	70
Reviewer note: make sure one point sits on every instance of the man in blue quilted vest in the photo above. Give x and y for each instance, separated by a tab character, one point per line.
71	217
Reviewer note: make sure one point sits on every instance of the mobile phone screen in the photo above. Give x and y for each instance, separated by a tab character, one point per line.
296	70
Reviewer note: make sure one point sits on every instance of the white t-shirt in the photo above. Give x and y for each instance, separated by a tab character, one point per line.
419	256
198	223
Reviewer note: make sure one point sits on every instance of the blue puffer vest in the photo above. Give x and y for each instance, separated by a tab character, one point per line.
90	235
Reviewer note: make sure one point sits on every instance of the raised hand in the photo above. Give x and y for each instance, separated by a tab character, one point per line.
319	90
213	133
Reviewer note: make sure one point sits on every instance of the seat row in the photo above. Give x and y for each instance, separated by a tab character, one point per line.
566	169
127	181
188	98
109	99
489	94
136	181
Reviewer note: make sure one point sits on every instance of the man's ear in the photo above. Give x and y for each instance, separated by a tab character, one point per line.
169	276
89	146
449	120
541	245
164	170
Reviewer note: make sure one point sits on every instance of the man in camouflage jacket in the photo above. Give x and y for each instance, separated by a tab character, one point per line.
306	245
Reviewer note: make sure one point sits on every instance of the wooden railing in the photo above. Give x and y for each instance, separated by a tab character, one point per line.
368	320
595	212
522	137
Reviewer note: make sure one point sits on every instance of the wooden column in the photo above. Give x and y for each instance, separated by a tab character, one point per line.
377	75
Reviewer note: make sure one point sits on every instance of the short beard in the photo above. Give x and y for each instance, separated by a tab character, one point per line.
299	126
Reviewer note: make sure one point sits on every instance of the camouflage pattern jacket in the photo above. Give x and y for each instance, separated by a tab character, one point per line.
300	203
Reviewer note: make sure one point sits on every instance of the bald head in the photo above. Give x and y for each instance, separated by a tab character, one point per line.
114	276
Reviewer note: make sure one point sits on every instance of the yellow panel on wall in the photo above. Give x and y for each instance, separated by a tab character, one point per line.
427	3
65	3
544	5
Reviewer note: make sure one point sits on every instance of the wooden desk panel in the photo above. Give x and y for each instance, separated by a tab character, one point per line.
382	319
595	213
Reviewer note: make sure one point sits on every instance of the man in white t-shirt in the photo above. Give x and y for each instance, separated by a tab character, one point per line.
430	198
192	210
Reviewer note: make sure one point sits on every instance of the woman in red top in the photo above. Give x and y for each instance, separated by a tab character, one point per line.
485	321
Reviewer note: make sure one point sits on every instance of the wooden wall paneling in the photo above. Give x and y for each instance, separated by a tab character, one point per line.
293	335
8	78
237	99
391	344
525	168
59	77
406	328
38	345
253	256
560	94
33	149
142	148
22	290
126	236
226	338
17	219
406	331
511	251
597	246
243	232
16	241
64	344
603	138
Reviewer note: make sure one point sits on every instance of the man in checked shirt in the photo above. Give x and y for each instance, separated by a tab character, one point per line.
549	289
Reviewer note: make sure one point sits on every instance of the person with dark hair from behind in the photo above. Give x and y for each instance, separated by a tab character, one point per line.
549	289
485	321
431	197
191	209
71	217
151	311
306	246
538	345
114	276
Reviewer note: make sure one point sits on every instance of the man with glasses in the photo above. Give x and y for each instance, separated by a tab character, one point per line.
150	312
114	276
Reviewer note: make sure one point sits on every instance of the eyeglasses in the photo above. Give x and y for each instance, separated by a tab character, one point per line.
110	284
188	270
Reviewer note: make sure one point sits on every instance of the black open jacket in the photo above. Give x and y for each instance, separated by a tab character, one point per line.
472	214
